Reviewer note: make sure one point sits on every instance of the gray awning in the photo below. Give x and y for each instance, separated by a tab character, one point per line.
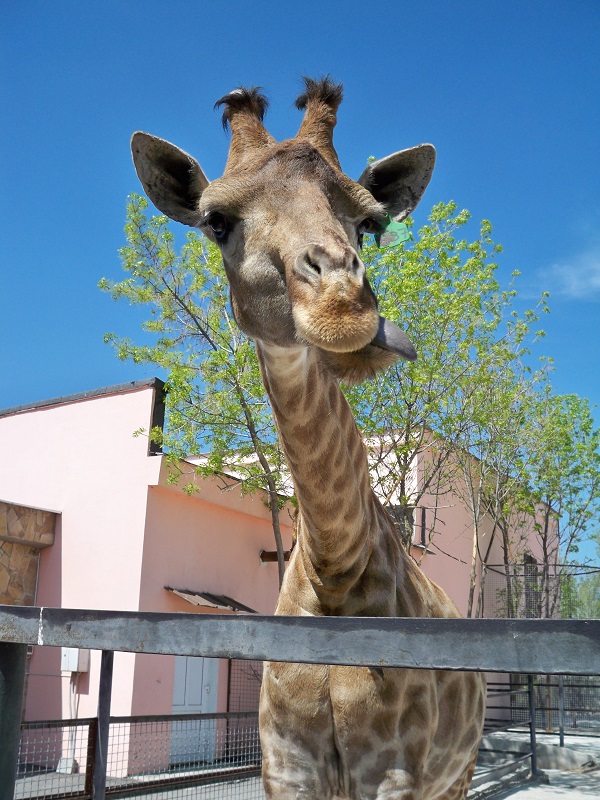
210	600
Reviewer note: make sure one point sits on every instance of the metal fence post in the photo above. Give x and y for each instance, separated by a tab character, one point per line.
531	695
90	761
561	710
13	658
101	751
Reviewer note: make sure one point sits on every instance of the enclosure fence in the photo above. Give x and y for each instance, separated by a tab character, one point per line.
523	646
212	749
536	589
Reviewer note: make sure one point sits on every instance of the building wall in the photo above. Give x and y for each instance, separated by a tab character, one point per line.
123	534
208	542
81	460
448	558
47	689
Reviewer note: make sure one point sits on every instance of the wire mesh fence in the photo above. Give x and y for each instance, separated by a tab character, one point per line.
50	755
571	701
567	703
499	709
245	678
178	756
535	590
553	591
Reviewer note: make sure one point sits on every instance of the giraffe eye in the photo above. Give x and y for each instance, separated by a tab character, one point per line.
218	224
366	226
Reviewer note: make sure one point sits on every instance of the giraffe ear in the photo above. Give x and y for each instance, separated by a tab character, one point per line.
399	181
172	179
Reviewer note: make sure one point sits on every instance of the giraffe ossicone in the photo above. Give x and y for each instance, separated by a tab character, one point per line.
289	224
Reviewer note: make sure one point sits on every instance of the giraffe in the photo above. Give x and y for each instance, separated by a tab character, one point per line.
289	224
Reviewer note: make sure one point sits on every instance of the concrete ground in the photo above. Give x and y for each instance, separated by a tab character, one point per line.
553	784
571	785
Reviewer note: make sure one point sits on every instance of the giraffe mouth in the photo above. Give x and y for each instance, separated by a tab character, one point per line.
390	337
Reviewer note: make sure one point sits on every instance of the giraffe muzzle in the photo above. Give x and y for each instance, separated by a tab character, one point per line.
332	302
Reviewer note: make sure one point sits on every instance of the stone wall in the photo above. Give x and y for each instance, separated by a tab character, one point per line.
23	533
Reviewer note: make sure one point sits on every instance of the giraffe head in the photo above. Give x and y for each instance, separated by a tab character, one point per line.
289	224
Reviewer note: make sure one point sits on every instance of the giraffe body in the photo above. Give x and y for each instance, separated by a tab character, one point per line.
289	224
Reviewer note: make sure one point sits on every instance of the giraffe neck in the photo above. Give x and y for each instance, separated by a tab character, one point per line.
327	459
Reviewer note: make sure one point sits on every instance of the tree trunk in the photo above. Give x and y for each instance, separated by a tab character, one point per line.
274	507
510	600
473	573
404	518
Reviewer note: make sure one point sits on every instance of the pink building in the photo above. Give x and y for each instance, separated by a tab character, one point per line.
122	533
88	519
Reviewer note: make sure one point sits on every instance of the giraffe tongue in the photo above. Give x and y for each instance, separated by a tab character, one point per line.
390	337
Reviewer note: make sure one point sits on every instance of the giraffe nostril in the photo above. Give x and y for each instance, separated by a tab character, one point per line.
313	266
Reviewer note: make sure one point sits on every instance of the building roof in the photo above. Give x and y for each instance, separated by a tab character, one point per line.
119	388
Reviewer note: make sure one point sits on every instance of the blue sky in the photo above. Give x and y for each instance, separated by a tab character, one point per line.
506	91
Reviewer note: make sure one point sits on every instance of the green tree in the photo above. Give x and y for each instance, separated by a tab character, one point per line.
587	604
469	402
494	452
216	405
433	288
457	404
564	484
555	493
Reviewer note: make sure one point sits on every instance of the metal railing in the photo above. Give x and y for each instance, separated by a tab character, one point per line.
526	646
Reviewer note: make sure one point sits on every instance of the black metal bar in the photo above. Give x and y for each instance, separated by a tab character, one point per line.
507	693
181	782
90	762
270	556
488	728
213	715
492	645
56	723
579	709
101	753
571	684
13	658
532	739
561	710
495	773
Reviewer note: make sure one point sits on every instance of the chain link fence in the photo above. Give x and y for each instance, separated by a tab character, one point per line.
245	678
49	757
